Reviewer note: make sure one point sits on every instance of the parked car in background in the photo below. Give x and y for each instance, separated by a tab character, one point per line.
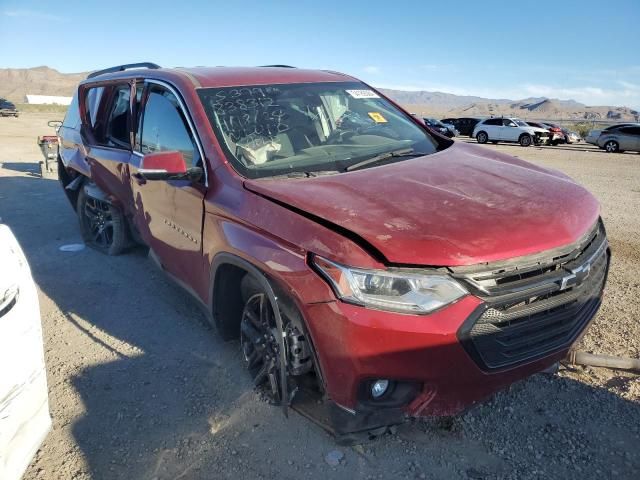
620	139
593	135
324	241
556	135
503	129
24	404
571	136
8	109
464	125
446	130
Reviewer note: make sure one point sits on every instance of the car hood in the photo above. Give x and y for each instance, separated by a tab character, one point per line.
461	206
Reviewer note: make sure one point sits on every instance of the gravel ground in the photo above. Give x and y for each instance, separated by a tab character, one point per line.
141	388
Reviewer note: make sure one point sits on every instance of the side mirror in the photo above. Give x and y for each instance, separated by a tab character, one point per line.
167	166
55	124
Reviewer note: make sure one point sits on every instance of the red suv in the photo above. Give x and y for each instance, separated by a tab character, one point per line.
359	257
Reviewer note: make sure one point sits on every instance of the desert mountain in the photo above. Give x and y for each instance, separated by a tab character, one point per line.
439	104
15	83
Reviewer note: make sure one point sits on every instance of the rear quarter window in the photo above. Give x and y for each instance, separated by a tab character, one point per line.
72	117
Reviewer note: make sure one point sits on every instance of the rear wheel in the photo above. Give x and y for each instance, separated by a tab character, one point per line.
102	225
525	140
482	137
611	146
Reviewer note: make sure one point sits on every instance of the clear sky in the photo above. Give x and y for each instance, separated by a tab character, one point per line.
583	50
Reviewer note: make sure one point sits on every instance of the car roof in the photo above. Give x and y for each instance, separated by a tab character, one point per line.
208	77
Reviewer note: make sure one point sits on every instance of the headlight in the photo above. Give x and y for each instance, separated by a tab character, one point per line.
388	290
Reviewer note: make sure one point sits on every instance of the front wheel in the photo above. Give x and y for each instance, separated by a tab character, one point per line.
482	137
525	140
611	146
260	345
102	225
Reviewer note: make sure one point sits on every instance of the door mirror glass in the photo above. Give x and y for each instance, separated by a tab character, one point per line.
167	166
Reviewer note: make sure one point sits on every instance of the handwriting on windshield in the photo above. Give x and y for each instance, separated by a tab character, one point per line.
250	113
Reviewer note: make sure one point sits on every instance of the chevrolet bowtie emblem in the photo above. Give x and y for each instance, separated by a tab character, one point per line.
576	277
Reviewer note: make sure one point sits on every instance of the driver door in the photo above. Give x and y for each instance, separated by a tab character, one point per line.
509	131
168	213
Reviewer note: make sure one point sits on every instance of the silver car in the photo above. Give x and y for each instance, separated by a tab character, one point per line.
620	139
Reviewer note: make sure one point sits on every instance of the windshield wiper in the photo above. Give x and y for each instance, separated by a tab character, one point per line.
316	173
405	152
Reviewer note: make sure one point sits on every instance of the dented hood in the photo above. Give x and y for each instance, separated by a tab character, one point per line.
461	206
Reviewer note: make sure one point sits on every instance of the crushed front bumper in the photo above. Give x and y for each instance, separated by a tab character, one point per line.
519	320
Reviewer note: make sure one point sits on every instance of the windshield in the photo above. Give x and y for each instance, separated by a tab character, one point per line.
270	130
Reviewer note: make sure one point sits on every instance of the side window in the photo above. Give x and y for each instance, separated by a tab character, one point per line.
493	121
72	117
630	130
508	123
164	127
117	127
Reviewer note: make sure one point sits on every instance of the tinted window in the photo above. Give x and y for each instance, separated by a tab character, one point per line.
493	121
630	130
508	123
164	127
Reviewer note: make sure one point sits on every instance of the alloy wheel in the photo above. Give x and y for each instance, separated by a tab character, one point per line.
99	222
260	349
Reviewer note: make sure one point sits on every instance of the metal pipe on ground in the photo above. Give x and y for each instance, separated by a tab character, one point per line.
607	361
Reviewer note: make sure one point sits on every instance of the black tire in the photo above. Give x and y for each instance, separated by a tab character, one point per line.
495	142
612	146
102	225
525	140
482	137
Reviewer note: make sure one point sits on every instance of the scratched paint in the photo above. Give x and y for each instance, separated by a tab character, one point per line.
24	406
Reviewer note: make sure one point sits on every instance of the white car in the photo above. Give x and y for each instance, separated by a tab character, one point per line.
24	403
509	130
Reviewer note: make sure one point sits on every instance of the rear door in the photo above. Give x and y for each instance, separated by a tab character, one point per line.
107	127
169	213
492	127
630	138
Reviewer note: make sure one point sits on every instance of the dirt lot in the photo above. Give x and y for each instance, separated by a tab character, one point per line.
141	388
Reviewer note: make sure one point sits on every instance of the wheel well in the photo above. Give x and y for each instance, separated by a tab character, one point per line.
227	300
481	131
525	134
65	176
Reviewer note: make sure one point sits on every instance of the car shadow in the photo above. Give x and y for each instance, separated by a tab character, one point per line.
165	397
31	168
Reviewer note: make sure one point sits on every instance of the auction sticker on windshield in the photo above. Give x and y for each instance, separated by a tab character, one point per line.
363	93
377	117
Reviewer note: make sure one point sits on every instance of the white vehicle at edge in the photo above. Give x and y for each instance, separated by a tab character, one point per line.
24	403
504	129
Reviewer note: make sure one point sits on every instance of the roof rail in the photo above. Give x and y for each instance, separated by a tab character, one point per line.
277	66
122	68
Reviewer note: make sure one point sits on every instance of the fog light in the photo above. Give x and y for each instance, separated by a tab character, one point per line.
379	387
